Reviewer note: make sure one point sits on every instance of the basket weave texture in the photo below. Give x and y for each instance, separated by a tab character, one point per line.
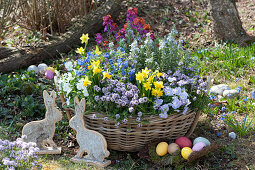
129	137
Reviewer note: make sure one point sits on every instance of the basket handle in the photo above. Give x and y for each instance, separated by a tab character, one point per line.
194	124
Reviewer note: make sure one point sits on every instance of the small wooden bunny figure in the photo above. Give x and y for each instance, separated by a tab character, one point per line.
91	142
41	132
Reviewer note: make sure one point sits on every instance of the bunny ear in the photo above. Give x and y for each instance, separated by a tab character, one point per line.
77	106
82	105
76	100
53	94
45	94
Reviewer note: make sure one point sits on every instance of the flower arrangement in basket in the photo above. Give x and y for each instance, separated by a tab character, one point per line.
137	87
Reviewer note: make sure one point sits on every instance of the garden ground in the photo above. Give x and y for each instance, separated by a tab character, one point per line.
228	64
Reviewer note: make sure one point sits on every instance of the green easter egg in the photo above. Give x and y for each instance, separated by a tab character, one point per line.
202	139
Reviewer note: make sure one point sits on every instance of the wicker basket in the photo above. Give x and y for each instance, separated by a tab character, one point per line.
129	137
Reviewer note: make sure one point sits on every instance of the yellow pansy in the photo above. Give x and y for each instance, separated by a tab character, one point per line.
96	70
146	72
158	84
147	85
80	50
139	77
84	38
87	82
97	51
106	75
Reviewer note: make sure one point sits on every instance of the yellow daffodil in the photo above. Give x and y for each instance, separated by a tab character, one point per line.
159	75
139	77
89	66
80	50
84	38
146	72
86	82
95	63
96	70
154	92
158	84
147	85
150	79
106	75
157	92
97	51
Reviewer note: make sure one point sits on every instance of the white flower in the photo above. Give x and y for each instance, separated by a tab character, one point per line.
111	44
57	73
80	84
67	88
70	77
85	92
149	60
69	65
82	88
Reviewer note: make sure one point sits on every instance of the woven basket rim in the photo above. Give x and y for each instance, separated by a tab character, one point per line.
150	118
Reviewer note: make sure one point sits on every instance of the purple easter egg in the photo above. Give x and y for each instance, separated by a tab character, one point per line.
49	74
198	146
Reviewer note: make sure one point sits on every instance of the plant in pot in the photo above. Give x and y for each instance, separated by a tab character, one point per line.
137	87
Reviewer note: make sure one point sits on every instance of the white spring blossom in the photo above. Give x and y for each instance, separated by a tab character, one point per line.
69	65
148	40
162	44
66	87
82	88
134	49
111	45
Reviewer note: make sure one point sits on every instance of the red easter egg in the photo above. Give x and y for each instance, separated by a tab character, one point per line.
183	141
49	74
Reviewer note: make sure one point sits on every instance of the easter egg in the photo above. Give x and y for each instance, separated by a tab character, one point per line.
183	142
172	148
32	68
186	151
202	139
51	69
42	68
198	146
49	74
162	148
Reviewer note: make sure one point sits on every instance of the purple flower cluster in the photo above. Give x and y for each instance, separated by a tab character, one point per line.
123	95
131	14
18	154
99	38
177	93
108	24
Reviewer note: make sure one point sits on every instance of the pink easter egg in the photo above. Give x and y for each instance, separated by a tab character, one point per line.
49	74
198	146
183	142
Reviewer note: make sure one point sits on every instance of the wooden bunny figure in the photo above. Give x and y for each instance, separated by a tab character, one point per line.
91	142
41	132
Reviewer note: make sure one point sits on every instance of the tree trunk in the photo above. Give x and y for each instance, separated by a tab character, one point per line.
227	25
12	58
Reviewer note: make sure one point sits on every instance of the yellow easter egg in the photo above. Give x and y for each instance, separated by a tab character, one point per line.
162	148
51	69
186	151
